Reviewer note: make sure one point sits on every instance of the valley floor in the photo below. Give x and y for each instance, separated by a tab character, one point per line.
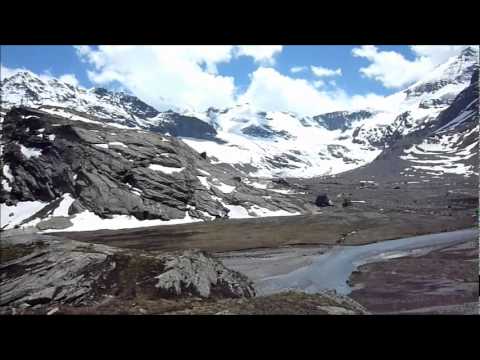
439	281
382	211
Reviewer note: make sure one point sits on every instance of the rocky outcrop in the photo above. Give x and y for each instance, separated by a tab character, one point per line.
58	271
341	119
181	272
111	171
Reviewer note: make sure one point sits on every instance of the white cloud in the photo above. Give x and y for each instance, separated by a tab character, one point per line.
264	54
182	76
393	70
437	53
69	79
271	91
297	69
323	71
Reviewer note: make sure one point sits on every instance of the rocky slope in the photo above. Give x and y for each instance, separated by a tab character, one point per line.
41	274
286	144
77	173
117	108
39	271
447	145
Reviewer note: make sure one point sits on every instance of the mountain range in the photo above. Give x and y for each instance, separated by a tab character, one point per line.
72	157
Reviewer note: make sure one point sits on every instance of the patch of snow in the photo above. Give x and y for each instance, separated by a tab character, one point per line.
262	212
6	186
29	152
88	220
204	181
237	212
51	137
224	188
7	173
283	191
62	209
206	173
23	210
256	184
165	169
103	146
118	143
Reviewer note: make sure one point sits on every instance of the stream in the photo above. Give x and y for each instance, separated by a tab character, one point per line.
315	269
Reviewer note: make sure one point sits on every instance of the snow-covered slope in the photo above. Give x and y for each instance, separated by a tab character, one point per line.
116	108
446	147
259	143
285	144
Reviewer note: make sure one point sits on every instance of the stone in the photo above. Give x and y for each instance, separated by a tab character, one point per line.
322	200
56	222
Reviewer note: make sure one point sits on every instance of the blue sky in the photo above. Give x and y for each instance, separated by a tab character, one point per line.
61	59
183	77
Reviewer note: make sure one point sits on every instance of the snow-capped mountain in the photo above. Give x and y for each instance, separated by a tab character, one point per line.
275	143
118	108
256	142
447	146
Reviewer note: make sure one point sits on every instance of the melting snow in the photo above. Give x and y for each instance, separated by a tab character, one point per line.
204	172
29	152
62	209
88	220
165	169
103	146
23	210
204	181
226	189
118	143
7	173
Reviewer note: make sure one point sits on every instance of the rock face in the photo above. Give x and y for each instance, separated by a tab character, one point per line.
60	271
110	171
341	119
181	272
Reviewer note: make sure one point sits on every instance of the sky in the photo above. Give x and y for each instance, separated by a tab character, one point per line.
303	79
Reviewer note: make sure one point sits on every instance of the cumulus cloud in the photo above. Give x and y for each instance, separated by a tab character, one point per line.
437	53
69	79
272	91
187	77
393	70
264	54
297	69
182	76
323	71
318	83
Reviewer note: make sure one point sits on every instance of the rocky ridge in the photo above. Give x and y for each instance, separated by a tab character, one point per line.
67	167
